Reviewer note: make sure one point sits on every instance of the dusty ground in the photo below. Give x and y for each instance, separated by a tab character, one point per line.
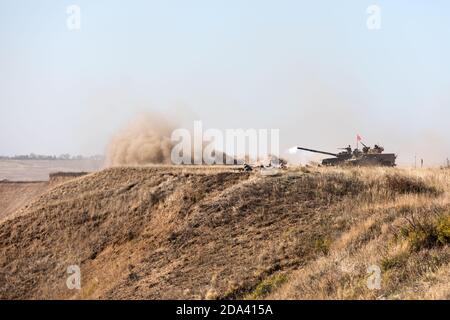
15	195
178	232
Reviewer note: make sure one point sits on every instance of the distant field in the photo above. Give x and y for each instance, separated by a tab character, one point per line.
38	170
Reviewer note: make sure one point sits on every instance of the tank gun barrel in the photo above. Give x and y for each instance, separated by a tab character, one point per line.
318	151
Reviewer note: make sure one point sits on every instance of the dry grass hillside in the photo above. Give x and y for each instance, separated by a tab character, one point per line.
195	232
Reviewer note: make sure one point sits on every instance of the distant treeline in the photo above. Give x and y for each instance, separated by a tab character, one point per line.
66	156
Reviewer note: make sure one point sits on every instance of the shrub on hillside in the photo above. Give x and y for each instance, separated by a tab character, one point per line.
267	286
404	185
428	233
443	229
342	185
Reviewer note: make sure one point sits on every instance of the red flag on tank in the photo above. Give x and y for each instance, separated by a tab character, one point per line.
358	137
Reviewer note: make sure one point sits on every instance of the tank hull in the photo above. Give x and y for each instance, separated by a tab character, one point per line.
383	159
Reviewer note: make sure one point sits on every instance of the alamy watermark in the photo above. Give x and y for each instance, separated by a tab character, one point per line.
231	146
374	279
373	21
74	280
73	21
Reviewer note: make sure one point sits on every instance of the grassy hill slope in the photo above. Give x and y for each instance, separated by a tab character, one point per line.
195	232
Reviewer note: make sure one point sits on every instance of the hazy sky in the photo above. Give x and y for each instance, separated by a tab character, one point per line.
310	68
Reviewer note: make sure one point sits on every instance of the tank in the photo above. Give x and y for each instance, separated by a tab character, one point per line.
354	157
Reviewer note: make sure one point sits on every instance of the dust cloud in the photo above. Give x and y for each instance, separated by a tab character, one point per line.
145	140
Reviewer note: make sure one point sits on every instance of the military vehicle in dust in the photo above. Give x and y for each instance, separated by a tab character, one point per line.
354	157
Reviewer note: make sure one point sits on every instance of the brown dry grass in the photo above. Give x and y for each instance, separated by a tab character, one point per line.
391	225
196	232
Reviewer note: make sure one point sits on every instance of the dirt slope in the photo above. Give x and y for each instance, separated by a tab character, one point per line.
14	195
17	194
165	232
